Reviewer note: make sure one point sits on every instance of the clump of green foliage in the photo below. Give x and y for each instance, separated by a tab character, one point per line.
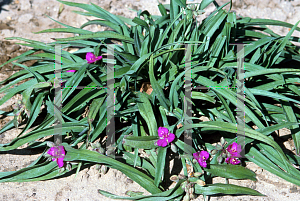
163	51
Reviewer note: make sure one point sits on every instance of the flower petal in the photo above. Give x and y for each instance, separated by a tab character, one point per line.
235	155
202	163
204	154
234	161
60	162
238	148
52	151
162	131
90	57
196	155
61	151
171	137
98	58
71	71
162	142
234	149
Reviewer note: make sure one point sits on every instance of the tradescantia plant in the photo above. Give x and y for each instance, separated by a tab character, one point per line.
160	50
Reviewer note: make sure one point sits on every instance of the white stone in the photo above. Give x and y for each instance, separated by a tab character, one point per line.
7	33
25	18
25	5
286	7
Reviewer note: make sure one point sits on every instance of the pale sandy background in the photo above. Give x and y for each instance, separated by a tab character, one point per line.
22	17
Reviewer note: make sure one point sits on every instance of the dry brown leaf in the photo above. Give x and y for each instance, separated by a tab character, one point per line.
179	125
146	87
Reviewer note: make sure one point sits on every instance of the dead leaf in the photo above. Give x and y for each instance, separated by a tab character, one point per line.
179	125
146	87
61	9
5	26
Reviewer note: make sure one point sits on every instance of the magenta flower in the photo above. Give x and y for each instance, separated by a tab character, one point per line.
233	161
91	58
165	137
234	149
201	157
58	154
71	71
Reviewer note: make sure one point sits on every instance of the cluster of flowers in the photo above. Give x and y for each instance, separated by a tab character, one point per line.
231	155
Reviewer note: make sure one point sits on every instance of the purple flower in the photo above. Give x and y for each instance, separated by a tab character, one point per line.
58	154
165	137
91	58
201	157
234	149
233	161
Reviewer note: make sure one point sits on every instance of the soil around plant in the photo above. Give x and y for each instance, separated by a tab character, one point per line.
20	18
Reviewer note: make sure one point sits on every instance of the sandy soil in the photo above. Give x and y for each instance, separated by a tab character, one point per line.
20	18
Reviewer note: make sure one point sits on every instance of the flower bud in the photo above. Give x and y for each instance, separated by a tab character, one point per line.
214	151
98	166
174	178
220	159
222	141
183	185
187	187
69	166
61	170
186	197
103	169
50	144
181	176
200	182
224	155
219	147
195	161
192	196
191	190
174	148
197	174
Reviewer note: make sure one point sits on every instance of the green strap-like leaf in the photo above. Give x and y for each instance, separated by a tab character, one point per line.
103	35
156	88
161	161
141	142
231	171
146	111
87	155
227	189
